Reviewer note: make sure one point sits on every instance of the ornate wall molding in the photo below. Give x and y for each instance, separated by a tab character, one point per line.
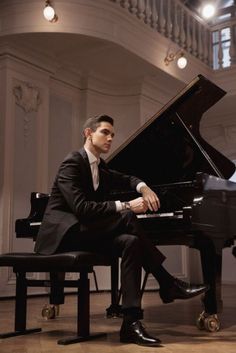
27	96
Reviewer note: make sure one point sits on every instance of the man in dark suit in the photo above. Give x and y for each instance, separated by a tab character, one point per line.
79	216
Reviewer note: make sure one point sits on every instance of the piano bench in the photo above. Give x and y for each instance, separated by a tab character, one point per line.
80	262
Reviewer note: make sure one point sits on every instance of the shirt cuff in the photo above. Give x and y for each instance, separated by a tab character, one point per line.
118	206
141	184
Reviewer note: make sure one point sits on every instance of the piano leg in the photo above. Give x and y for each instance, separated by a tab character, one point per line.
212	271
219	281
57	297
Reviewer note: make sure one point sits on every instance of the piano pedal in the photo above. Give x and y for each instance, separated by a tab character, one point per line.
208	322
50	311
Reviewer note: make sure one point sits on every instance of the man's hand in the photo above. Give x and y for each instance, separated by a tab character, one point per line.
138	205
151	199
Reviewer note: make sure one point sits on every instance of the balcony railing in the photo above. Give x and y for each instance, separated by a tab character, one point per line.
215	46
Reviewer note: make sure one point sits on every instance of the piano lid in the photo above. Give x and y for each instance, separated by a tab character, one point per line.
168	147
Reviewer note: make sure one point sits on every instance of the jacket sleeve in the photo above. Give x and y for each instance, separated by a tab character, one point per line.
119	180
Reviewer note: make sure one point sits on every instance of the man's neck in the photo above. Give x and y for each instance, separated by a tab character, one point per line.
91	149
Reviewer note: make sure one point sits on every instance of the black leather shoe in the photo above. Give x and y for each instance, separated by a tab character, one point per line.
181	290
136	333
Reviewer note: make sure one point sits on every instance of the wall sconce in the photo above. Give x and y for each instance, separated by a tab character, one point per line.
49	12
179	55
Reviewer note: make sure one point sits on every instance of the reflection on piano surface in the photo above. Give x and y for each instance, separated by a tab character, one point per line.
189	176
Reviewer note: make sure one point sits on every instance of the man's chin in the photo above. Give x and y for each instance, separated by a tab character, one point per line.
106	150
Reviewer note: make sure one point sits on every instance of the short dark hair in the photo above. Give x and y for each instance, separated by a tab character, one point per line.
95	121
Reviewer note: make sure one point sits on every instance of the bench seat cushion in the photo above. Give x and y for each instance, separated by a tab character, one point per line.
67	262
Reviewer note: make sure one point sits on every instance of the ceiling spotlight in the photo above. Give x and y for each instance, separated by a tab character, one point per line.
179	55
208	11
49	12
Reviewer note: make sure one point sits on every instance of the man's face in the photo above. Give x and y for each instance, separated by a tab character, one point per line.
101	139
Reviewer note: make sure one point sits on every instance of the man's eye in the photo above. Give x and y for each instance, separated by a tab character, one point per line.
107	132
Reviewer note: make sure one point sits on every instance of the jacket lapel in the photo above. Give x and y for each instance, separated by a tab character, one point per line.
103	173
87	169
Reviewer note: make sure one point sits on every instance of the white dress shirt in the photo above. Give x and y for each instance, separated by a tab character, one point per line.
94	162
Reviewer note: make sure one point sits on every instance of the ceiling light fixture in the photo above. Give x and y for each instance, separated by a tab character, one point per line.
49	12
179	56
208	11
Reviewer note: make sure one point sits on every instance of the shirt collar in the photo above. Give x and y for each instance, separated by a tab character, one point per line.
91	157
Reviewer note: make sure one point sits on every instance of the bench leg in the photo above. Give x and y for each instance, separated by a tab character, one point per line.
83	314
20	309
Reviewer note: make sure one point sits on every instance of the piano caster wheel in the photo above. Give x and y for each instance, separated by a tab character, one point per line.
212	323
200	321
57	309
50	311
208	322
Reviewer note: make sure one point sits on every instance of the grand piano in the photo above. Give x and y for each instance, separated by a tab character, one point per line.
191	179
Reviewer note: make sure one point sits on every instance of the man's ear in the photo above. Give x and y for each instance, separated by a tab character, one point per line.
87	132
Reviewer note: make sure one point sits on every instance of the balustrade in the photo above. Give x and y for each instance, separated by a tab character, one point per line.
176	22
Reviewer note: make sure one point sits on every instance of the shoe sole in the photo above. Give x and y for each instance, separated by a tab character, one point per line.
166	301
140	344
170	300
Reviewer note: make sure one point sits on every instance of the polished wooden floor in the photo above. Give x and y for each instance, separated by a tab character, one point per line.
173	323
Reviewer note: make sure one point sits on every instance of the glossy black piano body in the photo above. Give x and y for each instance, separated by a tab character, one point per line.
29	227
205	206
188	174
197	201
169	153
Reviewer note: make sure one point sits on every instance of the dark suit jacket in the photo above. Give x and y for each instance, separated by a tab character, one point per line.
73	199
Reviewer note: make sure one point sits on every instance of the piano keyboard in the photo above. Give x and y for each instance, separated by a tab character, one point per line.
178	214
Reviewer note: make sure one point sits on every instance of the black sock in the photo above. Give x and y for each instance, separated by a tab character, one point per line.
164	278
132	314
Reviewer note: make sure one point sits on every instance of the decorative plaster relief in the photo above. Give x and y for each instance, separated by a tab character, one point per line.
28	98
